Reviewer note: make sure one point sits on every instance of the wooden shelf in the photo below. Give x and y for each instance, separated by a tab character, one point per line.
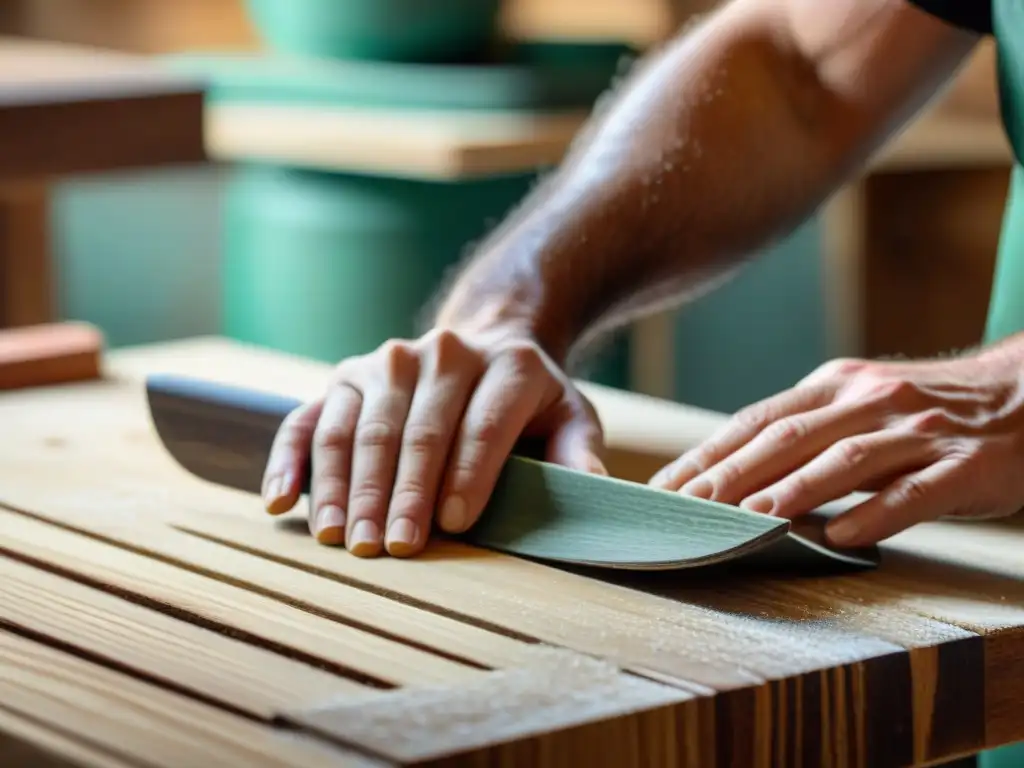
942	140
437	145
72	109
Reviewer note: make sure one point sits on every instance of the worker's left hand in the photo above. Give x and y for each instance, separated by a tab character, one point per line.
932	439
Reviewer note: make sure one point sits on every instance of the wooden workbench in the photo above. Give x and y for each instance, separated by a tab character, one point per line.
147	618
68	109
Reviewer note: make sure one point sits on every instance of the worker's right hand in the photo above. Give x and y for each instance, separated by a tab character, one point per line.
424	425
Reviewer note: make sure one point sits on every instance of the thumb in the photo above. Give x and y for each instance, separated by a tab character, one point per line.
576	441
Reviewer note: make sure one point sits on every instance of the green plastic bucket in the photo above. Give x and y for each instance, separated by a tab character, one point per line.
389	30
535	76
331	265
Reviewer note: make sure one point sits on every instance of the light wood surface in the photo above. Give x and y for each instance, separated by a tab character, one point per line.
421	144
149	618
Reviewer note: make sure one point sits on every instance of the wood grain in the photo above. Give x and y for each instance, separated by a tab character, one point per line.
24	741
205	600
143	724
909	664
247	678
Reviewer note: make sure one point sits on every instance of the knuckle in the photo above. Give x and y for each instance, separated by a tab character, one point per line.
851	453
524	359
726	475
448	353
328	488
398	359
447	342
368	495
795	487
410	498
841	368
333	436
423	438
787	432
911	491
932	421
377	433
892	391
485	431
752	419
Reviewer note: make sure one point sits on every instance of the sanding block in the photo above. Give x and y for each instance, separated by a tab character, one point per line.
49	353
223	434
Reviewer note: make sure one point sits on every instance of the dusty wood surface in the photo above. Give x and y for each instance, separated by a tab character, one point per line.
147	618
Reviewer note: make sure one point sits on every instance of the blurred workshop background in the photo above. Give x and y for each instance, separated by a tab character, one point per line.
357	149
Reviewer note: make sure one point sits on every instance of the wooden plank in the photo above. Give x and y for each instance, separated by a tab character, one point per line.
69	109
173	653
141	723
605	719
406	143
26	742
225	607
376	613
681	641
49	353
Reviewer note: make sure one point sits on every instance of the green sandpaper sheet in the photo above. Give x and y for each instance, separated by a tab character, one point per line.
537	509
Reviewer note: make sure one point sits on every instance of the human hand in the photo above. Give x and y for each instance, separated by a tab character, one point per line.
422	425
931	439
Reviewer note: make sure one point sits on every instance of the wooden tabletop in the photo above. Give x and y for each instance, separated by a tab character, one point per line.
149	618
72	109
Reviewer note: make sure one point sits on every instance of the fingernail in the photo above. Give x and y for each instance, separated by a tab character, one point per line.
403	536
276	492
699	487
329	525
453	514
365	539
843	530
762	504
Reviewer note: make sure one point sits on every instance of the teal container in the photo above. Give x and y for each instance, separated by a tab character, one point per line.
1011	756
331	265
386	30
529	76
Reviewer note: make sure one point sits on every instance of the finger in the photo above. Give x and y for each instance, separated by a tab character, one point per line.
289	454
378	442
434	416
506	399
743	427
783	447
933	492
842	469
331	464
575	438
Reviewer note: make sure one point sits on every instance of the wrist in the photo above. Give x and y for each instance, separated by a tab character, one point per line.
502	318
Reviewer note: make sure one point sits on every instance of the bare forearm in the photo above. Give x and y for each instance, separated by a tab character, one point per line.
726	139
